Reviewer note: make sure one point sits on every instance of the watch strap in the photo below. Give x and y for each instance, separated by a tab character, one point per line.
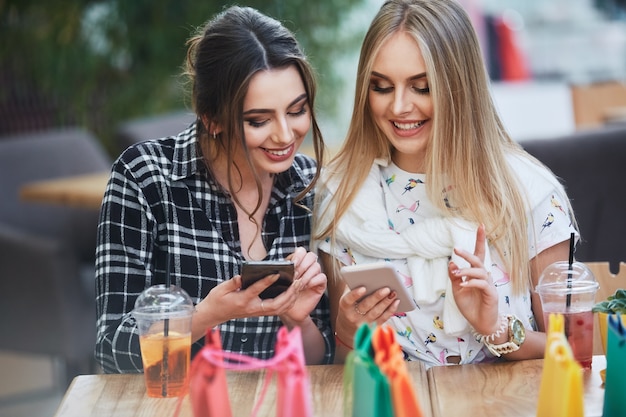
502	349
507	347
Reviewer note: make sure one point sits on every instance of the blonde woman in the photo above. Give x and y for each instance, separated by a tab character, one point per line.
429	180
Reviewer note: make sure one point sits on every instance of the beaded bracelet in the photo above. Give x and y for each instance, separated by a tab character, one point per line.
504	321
342	343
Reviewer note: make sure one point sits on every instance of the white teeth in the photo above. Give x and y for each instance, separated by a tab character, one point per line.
407	126
278	153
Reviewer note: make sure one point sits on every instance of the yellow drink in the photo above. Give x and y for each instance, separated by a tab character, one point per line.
169	380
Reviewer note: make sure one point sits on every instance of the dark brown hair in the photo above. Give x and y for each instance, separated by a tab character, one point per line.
222	58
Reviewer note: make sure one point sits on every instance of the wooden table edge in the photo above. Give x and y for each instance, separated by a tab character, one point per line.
63	190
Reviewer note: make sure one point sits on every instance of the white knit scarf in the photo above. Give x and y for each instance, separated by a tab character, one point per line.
427	246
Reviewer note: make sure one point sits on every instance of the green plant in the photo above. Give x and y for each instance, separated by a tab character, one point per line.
97	63
615	303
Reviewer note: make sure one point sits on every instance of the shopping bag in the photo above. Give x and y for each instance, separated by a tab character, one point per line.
207	381
561	389
293	387
208	389
389	358
615	382
366	389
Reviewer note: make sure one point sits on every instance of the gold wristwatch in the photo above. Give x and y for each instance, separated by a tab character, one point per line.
517	335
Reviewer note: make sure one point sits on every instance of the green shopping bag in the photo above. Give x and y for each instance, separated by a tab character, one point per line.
615	382
366	389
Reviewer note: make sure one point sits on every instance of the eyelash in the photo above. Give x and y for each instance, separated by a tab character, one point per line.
254	123
388	90
299	112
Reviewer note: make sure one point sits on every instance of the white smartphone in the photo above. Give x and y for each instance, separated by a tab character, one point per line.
377	275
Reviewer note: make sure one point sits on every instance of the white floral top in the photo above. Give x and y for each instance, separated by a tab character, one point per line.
420	332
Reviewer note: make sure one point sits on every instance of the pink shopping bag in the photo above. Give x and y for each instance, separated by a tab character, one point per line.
207	381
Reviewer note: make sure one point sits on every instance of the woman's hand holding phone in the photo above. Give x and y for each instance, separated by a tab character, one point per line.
294	304
253	271
372	294
375	276
310	283
300	279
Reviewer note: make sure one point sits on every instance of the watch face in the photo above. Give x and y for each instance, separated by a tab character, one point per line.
518	332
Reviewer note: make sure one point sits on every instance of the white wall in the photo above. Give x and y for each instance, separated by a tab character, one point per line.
535	110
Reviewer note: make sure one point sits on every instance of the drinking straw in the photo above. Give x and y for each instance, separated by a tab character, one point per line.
568	299
166	329
168	284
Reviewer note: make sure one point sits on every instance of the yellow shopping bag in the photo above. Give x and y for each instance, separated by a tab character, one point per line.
561	390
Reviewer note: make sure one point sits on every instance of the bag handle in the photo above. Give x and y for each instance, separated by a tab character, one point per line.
287	358
390	360
387	353
286	346
362	349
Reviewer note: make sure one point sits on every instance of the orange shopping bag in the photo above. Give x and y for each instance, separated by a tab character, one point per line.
389	358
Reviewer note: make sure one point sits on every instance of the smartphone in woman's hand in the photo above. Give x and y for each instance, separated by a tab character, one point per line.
375	276
252	271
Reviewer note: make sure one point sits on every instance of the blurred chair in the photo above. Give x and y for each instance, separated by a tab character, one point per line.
609	283
47	275
153	127
592	165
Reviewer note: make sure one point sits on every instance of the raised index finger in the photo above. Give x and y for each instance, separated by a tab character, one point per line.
479	249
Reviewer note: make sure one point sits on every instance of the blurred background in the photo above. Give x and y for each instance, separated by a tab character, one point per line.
111	68
99	64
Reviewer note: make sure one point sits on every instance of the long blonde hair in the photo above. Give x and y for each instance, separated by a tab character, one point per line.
468	144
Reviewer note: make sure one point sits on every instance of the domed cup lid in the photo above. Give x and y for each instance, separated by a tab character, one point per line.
161	302
560	276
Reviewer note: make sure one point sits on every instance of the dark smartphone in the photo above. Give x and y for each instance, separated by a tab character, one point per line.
252	271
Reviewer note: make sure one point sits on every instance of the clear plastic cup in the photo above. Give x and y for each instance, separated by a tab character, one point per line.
570	291
163	316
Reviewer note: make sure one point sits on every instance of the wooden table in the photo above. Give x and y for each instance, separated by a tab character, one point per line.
503	389
85	191
125	395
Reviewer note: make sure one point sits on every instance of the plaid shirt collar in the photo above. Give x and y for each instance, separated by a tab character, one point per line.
187	157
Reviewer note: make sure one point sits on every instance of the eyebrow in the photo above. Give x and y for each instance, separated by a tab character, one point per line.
415	77
298	99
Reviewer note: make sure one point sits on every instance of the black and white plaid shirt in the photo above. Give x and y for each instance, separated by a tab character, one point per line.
160	200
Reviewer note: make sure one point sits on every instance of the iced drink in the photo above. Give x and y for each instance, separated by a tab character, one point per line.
579	333
170	380
570	289
163	315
